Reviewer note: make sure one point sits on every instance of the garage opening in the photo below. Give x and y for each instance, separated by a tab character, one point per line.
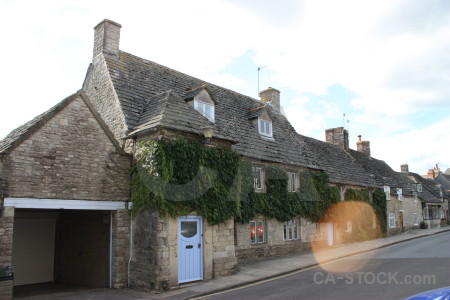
70	247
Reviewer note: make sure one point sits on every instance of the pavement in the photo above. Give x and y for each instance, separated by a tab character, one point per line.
250	272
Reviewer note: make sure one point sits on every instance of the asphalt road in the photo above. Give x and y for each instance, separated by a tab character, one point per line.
395	272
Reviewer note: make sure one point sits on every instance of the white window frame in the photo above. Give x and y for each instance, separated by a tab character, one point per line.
442	214
399	194
201	106
292	182
387	191
290	230
419	187
256	224
416	219
391	220
258	172
265	128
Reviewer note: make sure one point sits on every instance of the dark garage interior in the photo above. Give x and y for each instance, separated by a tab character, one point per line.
54	248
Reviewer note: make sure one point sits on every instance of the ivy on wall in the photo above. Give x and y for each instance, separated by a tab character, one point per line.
378	203
357	195
181	176
380	206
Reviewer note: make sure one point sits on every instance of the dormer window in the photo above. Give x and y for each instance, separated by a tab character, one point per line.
202	101
206	109
265	128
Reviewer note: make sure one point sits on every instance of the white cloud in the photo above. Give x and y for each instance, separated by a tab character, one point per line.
301	118
421	149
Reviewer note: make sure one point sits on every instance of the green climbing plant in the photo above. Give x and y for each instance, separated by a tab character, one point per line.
178	177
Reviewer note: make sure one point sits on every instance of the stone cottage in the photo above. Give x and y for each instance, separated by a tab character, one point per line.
433	199
140	100
404	210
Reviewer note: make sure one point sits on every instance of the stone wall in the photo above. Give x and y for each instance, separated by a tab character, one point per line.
69	157
120	248
393	206
223	257
274	243
6	235
146	268
313	231
411	206
99	88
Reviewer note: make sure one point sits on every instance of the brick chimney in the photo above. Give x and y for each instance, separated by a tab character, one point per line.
363	146
337	136
107	38
404	168
271	96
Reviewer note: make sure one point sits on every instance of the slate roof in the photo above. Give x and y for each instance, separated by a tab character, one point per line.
191	93
444	180
382	173
137	81
254	113
16	136
339	164
142	87
430	189
168	110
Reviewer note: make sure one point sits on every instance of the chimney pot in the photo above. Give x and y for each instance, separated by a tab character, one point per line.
107	38
363	146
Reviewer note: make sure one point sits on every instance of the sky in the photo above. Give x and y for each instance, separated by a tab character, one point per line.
380	68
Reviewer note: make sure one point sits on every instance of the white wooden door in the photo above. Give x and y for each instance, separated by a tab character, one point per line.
330	234
33	250
190	254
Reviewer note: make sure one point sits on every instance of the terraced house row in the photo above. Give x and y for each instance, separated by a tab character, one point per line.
65	183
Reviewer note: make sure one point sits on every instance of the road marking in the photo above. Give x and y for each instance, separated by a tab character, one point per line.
270	279
305	269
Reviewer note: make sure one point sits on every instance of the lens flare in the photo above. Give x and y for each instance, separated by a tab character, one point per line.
344	223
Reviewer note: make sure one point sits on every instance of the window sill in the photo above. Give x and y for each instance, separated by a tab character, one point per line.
267	138
257	244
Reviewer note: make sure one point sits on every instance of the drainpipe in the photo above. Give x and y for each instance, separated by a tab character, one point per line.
110	247
131	219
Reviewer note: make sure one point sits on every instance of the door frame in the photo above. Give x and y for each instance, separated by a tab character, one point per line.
330	234
400	220
200	237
